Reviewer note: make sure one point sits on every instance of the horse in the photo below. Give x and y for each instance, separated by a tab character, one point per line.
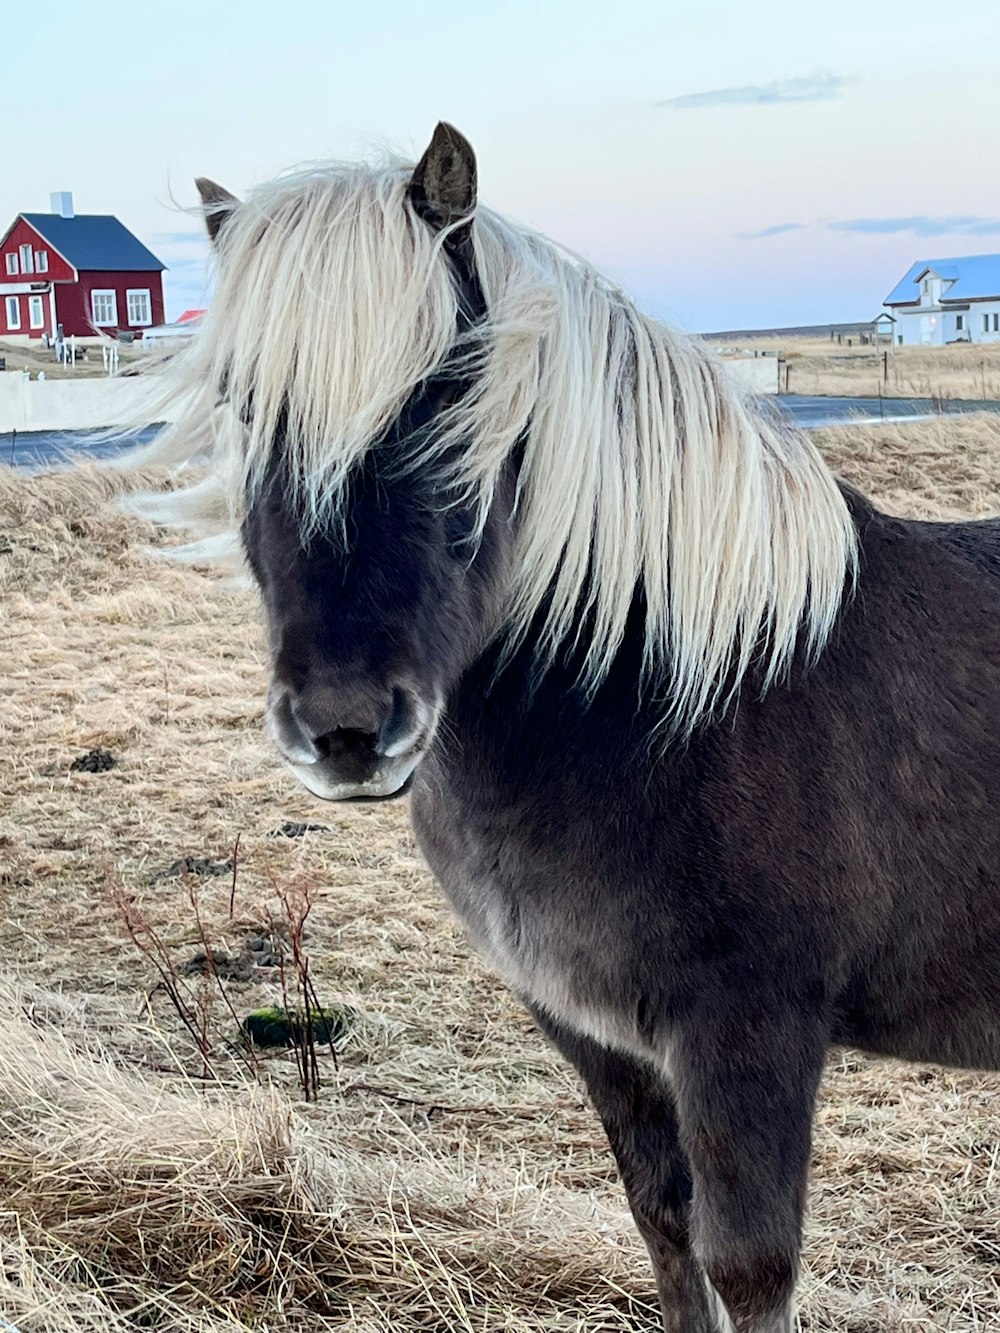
701	746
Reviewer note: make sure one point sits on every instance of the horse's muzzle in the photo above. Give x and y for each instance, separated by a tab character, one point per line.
373	758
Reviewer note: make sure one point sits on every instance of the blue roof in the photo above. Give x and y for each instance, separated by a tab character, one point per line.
94	241
972	277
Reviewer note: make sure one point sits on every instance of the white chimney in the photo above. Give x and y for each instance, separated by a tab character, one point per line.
61	203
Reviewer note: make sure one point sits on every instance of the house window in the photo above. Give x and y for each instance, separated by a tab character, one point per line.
13	313
27	263
104	308
36	312
959	323
41	261
986	323
996	323
12	265
138	306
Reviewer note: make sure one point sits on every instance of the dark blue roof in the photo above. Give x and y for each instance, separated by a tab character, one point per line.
969	277
94	241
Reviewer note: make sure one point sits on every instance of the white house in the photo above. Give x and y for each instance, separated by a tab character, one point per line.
948	300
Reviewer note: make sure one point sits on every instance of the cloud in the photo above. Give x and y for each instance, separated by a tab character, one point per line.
778	229
817	88
181	237
920	225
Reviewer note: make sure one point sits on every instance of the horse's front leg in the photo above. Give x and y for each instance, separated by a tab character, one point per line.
637	1109
745	1071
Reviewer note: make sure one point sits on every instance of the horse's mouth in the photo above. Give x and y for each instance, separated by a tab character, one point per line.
404	790
390	781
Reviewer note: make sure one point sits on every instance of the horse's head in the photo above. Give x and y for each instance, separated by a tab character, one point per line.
375	609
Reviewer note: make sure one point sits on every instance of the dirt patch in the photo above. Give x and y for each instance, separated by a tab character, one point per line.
292	829
94	761
195	865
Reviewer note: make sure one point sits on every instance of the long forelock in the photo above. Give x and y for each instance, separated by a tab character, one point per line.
644	469
332	303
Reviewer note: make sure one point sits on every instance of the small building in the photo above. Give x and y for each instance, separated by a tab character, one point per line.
184	327
84	273
942	301
884	329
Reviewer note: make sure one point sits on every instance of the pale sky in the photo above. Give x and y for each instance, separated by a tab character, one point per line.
733	164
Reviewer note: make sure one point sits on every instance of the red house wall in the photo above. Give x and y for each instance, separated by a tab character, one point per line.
73	301
25	330
22	234
72	297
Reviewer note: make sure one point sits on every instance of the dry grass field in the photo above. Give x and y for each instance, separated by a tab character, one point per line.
815	366
33	357
450	1176
818	366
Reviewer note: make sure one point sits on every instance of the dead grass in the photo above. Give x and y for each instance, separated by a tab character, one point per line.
817	366
947	467
451	1177
33	357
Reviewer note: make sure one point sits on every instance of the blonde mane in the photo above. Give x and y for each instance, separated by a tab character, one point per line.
643	467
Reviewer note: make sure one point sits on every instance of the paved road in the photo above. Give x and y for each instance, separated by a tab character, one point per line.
34	449
40	449
811	411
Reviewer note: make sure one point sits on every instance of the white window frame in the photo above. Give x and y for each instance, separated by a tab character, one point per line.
36	312
102	293
27	261
13	267
41	261
146	295
959	323
13	303
986	323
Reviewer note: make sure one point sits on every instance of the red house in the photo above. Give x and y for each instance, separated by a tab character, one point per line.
87	273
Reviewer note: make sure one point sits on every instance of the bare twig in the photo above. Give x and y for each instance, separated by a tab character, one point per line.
232	886
245	1050
304	1008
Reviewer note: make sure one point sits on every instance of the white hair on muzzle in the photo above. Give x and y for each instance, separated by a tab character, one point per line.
644	468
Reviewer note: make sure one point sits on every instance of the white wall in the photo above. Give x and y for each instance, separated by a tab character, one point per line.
974	320
68	404
909	325
949	325
759	374
27	405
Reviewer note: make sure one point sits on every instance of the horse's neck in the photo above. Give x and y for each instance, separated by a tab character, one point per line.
510	705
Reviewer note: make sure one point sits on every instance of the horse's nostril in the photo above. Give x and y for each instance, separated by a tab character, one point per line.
397	731
376	730
347	743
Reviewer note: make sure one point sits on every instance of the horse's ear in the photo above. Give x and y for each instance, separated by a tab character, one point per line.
443	187
217	204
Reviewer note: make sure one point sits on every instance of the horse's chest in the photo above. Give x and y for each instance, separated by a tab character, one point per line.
550	930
